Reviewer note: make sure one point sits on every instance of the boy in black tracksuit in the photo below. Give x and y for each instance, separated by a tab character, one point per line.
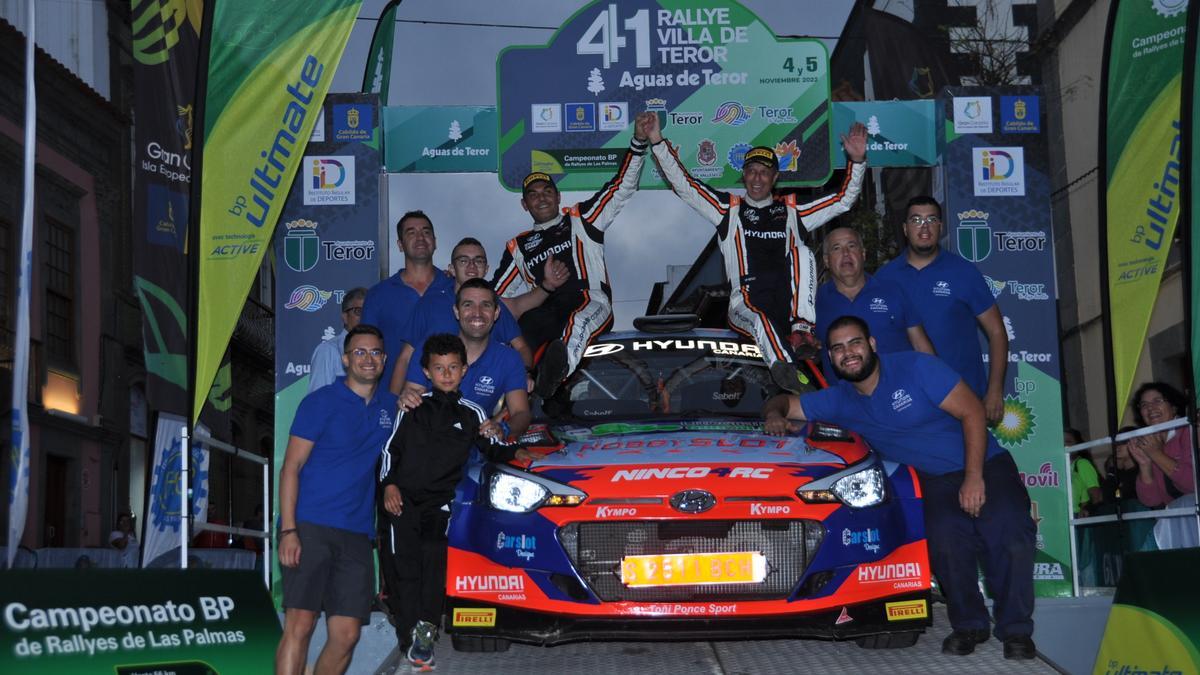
420	468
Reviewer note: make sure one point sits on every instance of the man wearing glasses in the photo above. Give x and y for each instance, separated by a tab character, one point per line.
327	506
954	302
435	313
326	361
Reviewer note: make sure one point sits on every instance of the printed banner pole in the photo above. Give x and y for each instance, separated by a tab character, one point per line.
261	88
1140	164
377	75
1191	178
18	499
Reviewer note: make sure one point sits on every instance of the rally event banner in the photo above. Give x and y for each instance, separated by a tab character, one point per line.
1191	103
127	622
165	44
716	75
262	92
1140	158
996	214
329	241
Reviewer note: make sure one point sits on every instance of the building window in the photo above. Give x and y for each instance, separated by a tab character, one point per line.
59	274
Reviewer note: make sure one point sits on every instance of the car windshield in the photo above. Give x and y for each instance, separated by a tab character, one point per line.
624	379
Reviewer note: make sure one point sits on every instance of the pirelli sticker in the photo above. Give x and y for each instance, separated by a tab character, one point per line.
902	611
476	616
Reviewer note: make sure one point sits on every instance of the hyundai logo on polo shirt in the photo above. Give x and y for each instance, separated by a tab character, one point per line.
385	419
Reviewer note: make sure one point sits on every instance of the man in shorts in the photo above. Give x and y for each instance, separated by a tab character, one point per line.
327	507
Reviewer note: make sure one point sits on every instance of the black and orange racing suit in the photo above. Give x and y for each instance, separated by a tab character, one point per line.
772	274
581	309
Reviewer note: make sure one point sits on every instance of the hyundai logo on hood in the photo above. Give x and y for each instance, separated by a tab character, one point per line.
693	501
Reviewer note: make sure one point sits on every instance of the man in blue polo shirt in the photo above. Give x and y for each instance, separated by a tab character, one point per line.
914	409
435	312
886	309
494	370
954	302
327	507
390	303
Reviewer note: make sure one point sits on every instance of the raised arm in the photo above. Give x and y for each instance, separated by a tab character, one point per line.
601	209
708	202
816	213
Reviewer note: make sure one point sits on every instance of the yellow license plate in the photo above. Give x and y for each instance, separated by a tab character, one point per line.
693	568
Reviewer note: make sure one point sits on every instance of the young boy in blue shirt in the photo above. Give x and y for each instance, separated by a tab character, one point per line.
421	465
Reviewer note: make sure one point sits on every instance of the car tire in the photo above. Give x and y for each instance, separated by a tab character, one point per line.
888	640
479	643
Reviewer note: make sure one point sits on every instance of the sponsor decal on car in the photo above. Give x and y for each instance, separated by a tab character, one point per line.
677	472
489	583
615	511
907	609
474	616
679	609
899	575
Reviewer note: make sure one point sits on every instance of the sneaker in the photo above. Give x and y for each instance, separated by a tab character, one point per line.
962	642
420	653
552	370
1019	647
804	340
785	376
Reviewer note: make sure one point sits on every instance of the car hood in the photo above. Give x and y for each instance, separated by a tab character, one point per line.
659	458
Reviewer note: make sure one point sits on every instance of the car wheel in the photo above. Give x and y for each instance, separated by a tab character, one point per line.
479	643
887	640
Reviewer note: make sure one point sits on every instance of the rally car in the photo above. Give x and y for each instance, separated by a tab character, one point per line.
660	511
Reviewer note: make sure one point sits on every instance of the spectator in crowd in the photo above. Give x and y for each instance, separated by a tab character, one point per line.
567	309
325	366
894	323
954	302
390	303
772	272
1164	462
83	562
420	467
1085	480
125	540
327	507
914	409
435	313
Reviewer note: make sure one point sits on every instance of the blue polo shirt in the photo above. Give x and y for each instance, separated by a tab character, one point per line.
497	371
337	483
435	314
389	306
947	294
882	305
901	419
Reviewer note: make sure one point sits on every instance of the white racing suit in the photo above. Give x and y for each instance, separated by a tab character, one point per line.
581	309
772	274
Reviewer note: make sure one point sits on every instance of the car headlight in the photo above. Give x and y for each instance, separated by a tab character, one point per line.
859	489
516	491
864	488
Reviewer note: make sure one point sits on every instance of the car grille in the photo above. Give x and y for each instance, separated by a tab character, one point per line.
596	549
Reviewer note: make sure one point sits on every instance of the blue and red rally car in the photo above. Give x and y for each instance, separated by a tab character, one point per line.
660	511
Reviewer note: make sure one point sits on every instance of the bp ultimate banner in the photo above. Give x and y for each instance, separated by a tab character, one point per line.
996	212
327	243
716	75
127	622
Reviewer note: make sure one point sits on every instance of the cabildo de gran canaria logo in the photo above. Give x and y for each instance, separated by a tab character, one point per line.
157	24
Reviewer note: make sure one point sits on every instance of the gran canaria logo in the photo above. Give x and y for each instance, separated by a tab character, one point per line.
158	23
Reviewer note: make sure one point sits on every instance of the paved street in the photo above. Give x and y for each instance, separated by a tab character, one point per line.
716	658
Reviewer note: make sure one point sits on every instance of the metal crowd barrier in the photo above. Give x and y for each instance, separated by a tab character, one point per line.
186	532
1119	517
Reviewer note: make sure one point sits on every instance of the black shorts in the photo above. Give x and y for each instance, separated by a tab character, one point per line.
335	575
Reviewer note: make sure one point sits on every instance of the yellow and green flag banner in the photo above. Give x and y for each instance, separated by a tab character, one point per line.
269	68
1140	156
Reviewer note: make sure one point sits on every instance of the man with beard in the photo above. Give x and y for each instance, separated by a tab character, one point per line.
850	290
914	409
772	273
954	301
390	303
494	370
